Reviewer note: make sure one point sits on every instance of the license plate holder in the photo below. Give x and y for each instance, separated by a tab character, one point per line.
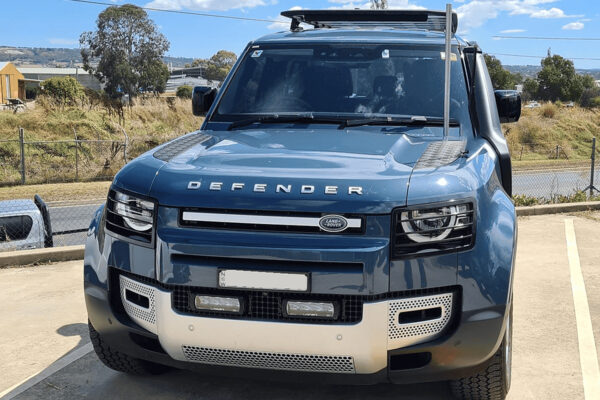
263	280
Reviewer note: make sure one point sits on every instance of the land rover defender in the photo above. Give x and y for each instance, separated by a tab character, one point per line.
344	213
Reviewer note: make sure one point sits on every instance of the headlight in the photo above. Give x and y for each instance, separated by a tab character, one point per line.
433	229
130	216
137	214
433	224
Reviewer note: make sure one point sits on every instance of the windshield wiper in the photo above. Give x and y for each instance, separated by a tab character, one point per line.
282	119
413	120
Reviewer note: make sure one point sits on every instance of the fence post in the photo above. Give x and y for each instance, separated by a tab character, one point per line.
592	187
557	151
521	155
76	157
125	144
22	143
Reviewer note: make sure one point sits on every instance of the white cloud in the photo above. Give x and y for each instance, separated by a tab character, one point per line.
574	26
63	41
475	13
513	31
551	13
205	5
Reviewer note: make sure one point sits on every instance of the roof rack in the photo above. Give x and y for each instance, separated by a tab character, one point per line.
397	19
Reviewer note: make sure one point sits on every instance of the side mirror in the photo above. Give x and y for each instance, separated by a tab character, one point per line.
509	105
202	98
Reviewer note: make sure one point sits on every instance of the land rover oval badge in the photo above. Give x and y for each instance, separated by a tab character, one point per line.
333	223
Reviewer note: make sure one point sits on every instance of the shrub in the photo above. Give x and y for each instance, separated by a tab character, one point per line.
548	110
64	90
588	96
595	103
184	92
524	200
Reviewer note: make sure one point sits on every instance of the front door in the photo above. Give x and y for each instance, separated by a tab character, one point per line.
7	86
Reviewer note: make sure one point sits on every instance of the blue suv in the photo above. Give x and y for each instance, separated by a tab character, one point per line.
343	214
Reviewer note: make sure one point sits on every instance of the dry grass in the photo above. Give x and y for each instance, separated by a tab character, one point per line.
148	123
548	110
57	192
539	131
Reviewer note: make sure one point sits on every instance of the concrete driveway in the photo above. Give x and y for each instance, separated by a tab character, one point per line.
45	351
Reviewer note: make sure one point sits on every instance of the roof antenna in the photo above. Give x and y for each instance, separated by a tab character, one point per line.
448	59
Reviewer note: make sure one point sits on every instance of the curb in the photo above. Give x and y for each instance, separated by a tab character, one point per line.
558	208
52	254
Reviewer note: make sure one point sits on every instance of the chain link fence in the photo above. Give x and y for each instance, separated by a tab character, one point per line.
33	223
31	162
554	173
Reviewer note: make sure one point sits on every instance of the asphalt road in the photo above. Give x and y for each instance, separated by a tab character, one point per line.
45	350
68	218
547	183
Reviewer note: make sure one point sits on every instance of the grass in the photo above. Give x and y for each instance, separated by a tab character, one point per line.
58	191
534	138
148	123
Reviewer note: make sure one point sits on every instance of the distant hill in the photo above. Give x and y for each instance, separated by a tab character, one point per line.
531	71
60	57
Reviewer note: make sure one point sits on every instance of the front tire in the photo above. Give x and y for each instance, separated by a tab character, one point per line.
493	383
121	362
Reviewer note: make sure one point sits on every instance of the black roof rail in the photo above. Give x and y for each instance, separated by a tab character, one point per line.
397	19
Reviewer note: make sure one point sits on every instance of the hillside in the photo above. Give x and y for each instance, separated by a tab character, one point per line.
148	123
534	139
60	56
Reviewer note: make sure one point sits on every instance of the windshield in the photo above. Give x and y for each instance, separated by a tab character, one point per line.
355	81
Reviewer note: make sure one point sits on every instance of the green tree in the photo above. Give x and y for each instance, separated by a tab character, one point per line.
558	80
530	89
64	90
184	92
125	52
501	78
589	97
219	65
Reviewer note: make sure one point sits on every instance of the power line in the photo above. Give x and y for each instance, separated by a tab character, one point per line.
541	57
544	38
182	12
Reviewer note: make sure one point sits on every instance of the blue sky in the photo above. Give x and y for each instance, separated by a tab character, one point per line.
58	23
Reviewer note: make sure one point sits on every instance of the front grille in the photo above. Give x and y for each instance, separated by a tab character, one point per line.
280	227
260	305
268	360
268	306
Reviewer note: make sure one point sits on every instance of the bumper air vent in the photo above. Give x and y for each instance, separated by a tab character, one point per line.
267	360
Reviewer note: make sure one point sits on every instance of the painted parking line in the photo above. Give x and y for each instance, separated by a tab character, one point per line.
33	380
588	356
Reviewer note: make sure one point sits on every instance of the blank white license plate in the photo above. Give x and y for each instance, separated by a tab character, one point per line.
232	278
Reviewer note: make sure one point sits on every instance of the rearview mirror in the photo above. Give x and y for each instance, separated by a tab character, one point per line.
202	99
509	105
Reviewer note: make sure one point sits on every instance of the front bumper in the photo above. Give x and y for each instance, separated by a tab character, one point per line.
372	350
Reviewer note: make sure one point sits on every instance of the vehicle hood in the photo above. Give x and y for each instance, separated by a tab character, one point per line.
347	171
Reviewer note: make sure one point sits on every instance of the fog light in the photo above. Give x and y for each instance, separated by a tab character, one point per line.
214	303
310	309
